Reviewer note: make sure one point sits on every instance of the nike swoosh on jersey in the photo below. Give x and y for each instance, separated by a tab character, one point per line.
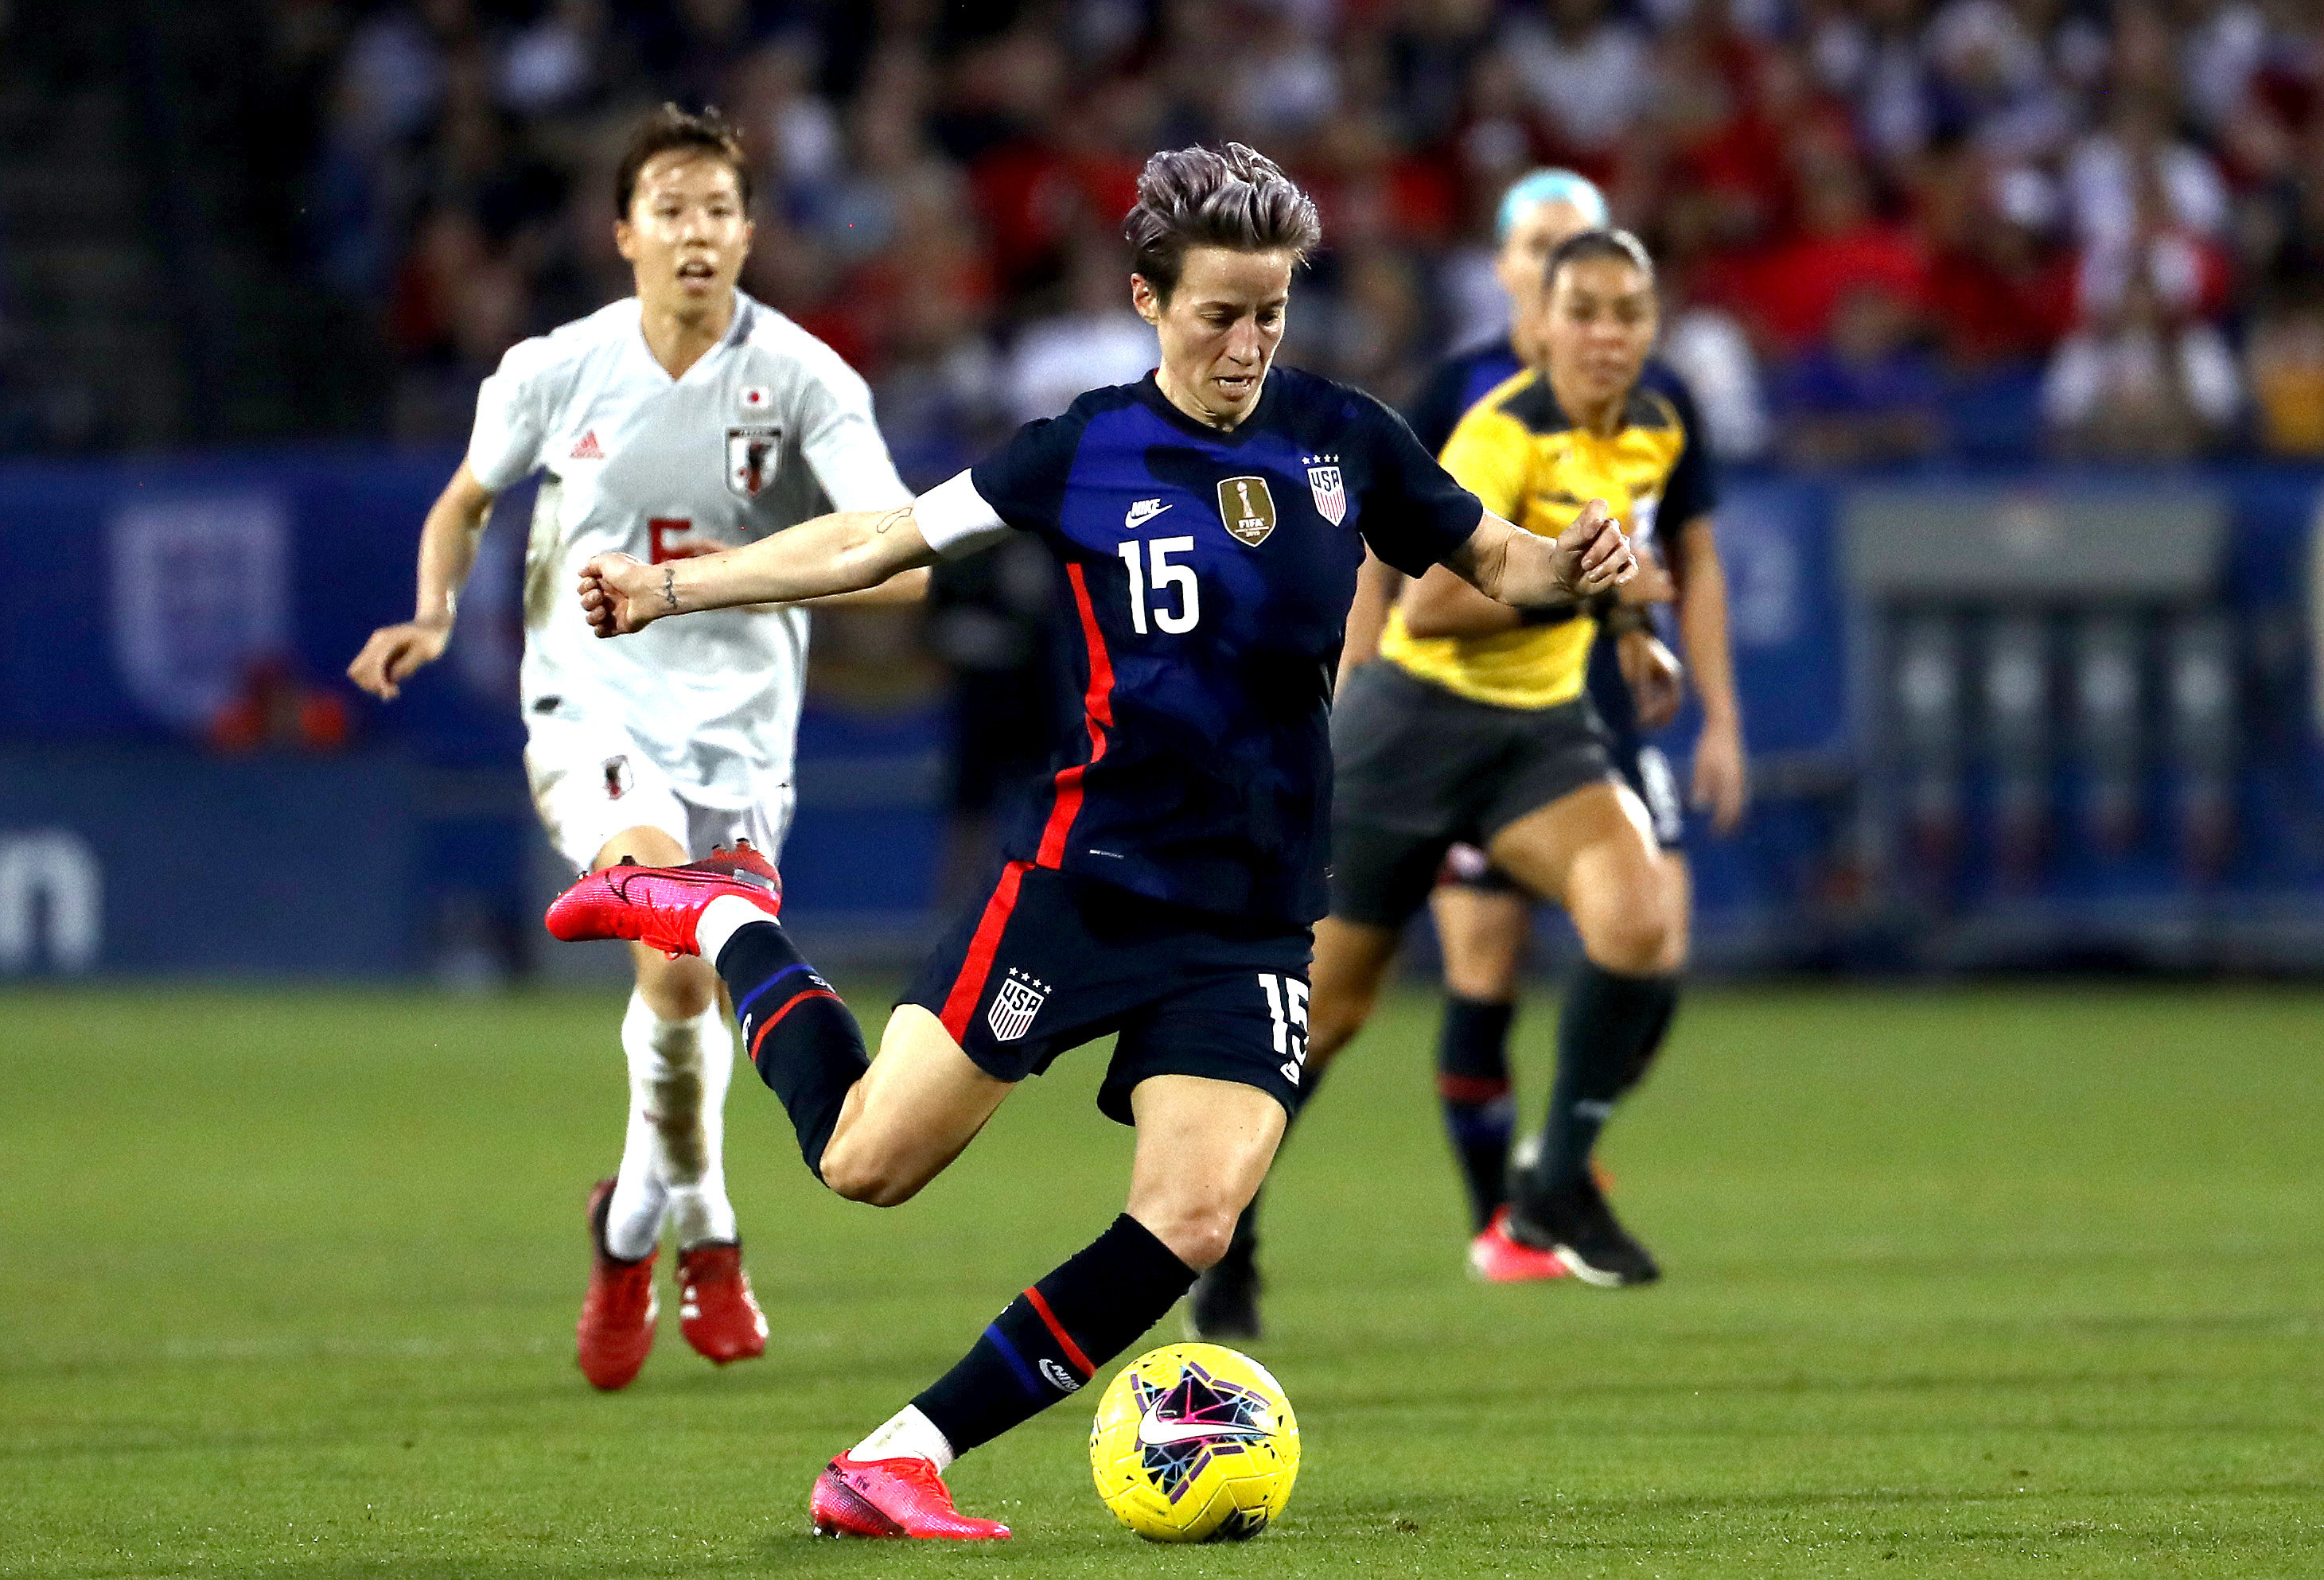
1153	1433
1143	511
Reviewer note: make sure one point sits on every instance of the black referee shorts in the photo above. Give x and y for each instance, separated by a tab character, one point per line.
1053	960
1417	768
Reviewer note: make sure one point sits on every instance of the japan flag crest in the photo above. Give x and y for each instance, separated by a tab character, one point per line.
1331	495
753	454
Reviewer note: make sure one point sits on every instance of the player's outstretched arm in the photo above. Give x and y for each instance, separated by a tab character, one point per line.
905	587
447	552
1515	566
845	552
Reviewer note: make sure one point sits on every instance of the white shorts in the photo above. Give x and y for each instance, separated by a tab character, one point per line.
590	784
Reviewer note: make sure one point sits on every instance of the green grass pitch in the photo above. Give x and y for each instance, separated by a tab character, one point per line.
1972	1282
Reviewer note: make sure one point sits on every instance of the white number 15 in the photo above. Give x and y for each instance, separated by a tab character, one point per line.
1170	622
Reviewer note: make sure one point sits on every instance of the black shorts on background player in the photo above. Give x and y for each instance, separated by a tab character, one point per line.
1191	993
1420	768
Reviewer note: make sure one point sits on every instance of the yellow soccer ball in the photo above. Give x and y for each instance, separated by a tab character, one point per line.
1195	1443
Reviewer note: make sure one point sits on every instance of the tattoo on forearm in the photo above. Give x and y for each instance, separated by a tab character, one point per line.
669	587
899	514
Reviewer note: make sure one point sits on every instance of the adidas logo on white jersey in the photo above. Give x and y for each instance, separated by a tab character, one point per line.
1143	511
587	450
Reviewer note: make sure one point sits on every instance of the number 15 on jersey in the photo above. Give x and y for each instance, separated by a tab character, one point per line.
1179	580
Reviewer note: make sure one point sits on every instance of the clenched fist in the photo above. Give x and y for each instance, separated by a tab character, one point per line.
621	593
1592	554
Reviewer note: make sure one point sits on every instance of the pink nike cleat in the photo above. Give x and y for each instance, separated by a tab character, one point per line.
716	1311
1495	1259
892	1497
616	1330
660	906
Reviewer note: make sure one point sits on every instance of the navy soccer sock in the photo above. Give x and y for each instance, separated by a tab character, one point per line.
1472	1079
798	1031
1607	1032
1051	1339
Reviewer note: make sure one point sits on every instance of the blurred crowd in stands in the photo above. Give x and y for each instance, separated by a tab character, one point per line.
1888	230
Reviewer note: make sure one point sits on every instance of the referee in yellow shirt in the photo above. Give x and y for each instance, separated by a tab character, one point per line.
1473	726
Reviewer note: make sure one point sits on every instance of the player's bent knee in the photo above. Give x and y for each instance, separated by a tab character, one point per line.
1198	1238
1639	941
863	1174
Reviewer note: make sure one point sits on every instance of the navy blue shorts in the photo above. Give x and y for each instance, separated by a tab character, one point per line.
1054	960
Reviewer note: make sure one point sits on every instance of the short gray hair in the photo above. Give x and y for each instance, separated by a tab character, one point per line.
1232	197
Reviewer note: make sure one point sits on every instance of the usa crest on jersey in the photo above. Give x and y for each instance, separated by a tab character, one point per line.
751	454
1330	495
1014	1005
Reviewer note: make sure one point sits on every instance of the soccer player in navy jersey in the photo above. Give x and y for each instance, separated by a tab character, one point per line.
1208	523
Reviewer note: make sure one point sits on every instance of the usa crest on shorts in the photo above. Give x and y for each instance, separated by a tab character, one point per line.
751	454
1019	999
1330	495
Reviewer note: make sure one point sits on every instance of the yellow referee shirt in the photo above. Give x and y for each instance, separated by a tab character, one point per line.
1521	455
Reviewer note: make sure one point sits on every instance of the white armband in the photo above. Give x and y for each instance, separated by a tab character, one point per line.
955	519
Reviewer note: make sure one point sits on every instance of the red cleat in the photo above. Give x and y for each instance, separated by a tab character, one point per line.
1495	1259
892	1497
716	1311
616	1330
660	906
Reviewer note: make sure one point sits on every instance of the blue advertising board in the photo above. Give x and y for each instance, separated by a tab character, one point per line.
399	838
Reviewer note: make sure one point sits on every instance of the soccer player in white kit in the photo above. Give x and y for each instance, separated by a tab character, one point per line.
679	421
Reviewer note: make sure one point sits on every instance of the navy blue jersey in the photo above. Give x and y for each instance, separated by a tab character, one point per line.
1209	576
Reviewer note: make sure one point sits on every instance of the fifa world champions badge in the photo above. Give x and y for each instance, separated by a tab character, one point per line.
1247	509
1331	494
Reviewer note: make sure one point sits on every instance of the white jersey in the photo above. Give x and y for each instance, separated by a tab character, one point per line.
769	429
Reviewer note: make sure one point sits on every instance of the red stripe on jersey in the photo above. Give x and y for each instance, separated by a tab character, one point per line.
789	1005
969	985
1057	1331
1097	712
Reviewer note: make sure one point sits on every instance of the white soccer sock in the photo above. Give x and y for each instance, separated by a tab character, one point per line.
665	1084
907	1435
695	1167
721	920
